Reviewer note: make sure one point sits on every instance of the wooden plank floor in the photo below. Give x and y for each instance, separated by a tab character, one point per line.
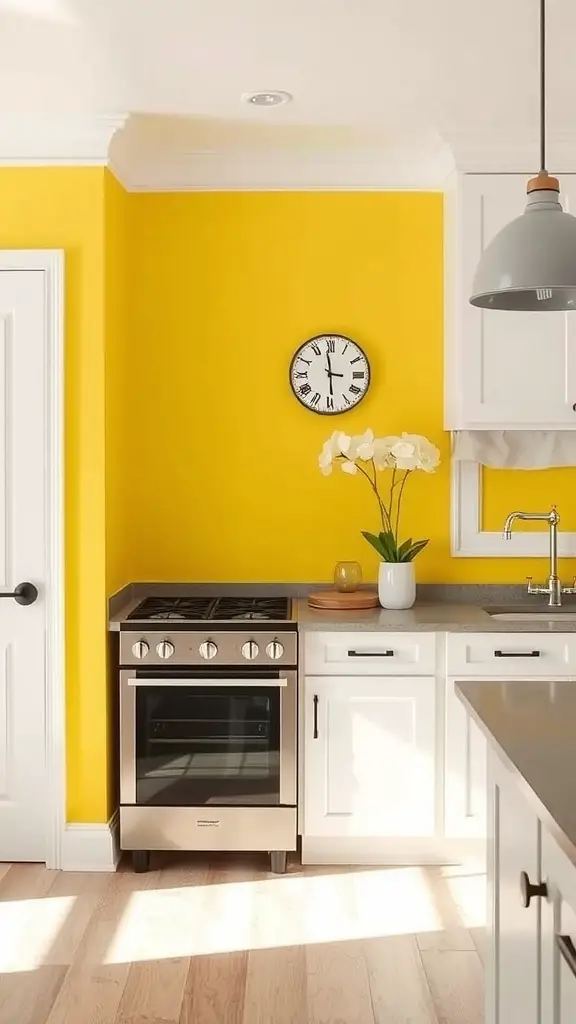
222	941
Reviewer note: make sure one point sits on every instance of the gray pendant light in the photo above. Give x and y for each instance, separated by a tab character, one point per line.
531	263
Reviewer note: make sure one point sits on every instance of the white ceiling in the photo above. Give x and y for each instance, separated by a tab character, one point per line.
367	76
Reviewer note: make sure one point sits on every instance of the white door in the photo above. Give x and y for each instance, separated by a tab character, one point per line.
369	758
465	772
518	369
22	559
558	936
515	833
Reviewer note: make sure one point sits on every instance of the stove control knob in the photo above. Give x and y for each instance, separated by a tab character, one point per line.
140	649
208	650
275	650
165	649
250	650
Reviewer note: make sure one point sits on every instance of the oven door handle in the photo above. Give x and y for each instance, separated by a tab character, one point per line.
167	681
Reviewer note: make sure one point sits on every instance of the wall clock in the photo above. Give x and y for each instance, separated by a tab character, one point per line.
329	374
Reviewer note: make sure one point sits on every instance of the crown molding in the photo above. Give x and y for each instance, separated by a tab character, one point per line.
282	170
498	152
33	140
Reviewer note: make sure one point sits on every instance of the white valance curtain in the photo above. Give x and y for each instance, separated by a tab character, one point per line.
516	449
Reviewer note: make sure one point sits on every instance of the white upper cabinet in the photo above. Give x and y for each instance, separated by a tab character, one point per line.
504	370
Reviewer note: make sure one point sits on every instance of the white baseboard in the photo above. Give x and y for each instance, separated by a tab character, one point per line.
391	852
88	847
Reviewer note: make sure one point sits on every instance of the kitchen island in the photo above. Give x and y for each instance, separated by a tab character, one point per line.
530	728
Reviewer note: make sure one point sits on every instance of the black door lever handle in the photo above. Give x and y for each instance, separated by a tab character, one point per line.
24	593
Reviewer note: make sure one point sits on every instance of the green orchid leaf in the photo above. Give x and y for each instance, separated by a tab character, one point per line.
416	548
404	547
375	542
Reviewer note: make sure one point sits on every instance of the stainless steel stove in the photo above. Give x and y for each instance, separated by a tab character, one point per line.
208	697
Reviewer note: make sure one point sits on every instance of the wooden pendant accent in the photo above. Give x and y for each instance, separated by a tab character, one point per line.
543	182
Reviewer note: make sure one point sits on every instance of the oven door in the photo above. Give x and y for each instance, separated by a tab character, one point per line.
189	737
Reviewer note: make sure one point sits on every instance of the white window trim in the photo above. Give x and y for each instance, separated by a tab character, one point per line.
468	538
51	262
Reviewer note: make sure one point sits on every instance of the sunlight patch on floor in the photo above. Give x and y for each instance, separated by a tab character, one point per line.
28	929
469	895
292	910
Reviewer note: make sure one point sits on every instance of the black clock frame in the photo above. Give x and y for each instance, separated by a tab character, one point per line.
329	412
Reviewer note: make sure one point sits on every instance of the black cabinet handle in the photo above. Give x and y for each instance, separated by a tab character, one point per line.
529	889
568	951
315	716
516	654
24	593
370	654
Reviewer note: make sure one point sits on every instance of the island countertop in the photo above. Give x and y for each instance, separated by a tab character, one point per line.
532	727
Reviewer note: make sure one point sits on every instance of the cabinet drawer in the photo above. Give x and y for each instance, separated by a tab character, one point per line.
369	654
511	654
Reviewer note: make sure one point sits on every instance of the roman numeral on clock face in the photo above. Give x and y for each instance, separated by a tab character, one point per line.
358	375
304	390
358	359
315	398
315	348
331	345
354	390
302	374
329	402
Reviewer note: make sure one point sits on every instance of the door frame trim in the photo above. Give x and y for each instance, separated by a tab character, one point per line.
51	263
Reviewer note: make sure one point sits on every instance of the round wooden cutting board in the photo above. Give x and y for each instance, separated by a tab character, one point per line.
335	600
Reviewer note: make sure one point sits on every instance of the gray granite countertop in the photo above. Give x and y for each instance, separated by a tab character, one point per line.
532	726
429	617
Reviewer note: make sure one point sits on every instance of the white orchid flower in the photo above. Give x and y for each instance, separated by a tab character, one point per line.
337	444
362	446
427	453
349	467
405	454
381	454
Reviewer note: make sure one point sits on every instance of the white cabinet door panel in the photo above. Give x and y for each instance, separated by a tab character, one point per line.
465	772
558	936
515	833
513	369
370	756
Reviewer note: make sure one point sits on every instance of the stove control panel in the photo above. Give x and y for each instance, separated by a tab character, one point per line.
190	647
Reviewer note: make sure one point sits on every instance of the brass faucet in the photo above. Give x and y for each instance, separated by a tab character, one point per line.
554	588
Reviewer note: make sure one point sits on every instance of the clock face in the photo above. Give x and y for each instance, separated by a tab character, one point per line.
329	374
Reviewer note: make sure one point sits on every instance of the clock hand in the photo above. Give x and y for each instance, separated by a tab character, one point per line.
330	374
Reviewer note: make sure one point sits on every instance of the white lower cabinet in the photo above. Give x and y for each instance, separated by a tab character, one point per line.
531	966
370	756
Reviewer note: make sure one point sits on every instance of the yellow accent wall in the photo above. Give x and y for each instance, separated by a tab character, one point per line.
186	456
220	464
63	208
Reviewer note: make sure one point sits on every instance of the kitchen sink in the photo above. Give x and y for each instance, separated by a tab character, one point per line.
567	614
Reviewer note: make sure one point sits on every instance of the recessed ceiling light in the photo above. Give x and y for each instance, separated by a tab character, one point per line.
271	98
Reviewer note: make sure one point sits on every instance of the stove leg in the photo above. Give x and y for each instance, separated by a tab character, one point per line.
141	861
278	862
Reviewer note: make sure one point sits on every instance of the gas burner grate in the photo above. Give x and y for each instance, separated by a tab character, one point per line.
190	609
174	608
252	608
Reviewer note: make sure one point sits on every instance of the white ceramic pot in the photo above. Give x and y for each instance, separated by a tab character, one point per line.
396	584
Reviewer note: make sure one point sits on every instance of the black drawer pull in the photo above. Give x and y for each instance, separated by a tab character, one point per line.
516	654
568	951
370	654
315	716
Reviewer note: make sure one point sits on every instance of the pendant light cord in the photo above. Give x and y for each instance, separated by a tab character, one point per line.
542	85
